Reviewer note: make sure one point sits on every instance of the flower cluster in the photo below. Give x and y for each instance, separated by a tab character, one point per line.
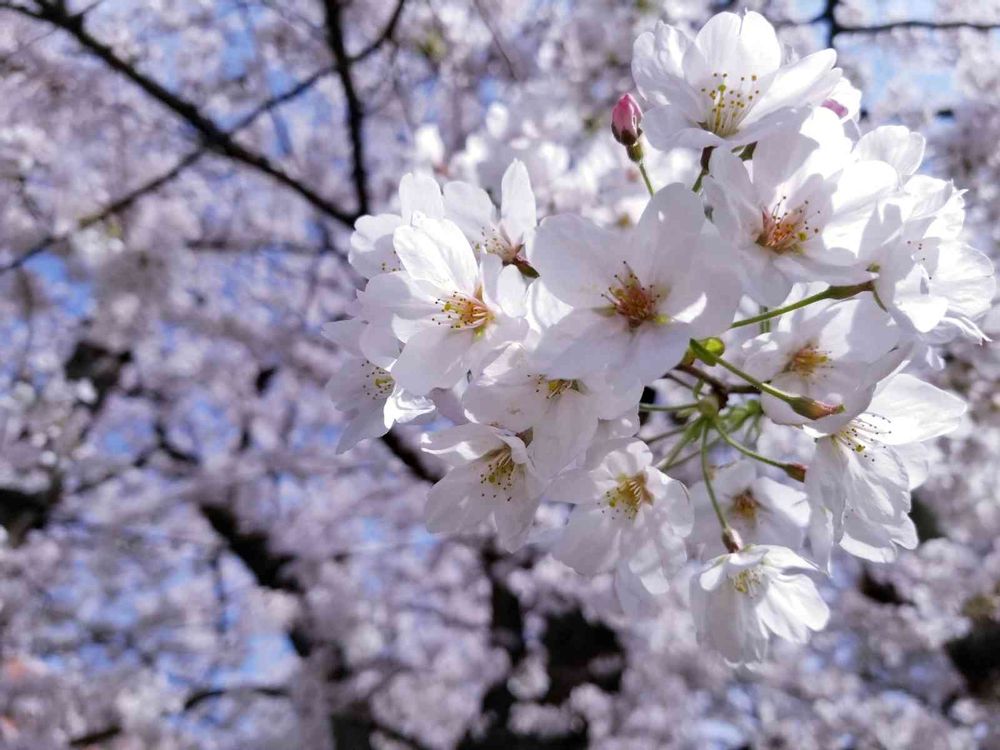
799	284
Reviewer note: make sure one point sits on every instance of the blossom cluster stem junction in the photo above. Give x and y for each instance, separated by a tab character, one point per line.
800	405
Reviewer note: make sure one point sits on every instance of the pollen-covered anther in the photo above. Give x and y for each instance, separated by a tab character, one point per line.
377	383
498	477
636	303
745	506
462	311
729	100
496	242
556	388
628	495
748	581
807	360
863	433
784	231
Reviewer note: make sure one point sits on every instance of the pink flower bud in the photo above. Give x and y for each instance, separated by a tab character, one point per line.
625	119
838	108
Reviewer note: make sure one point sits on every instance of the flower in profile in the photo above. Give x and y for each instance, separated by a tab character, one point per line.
740	599
925	275
726	87
505	234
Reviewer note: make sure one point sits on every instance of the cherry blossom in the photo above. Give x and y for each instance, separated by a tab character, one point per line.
506	235
372	251
629	518
834	354
214	506
492	477
740	599
760	509
563	415
448	310
366	390
636	300
802	213
860	480
728	86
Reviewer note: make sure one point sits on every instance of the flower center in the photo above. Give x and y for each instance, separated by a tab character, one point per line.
633	301
748	581
377	383
807	360
628	495
784	230
499	474
496	242
462	311
729	101
863	432
554	388
745	506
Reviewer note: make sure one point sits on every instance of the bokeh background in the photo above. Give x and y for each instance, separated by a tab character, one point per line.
186	562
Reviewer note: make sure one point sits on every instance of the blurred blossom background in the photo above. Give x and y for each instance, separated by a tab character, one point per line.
185	560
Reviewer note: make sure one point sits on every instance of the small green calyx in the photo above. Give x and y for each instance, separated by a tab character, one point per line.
708	350
709	407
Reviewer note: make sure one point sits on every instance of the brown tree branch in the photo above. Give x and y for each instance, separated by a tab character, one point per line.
354	111
151	186
213	136
387	34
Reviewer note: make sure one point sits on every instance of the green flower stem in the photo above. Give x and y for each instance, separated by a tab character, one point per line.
645	177
833	292
793	470
697	183
708	479
690	433
710	358
664	435
807	407
684	459
658	407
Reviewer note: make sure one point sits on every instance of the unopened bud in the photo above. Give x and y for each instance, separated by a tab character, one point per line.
625	119
836	107
731	540
715	346
796	471
846	292
708	350
813	409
